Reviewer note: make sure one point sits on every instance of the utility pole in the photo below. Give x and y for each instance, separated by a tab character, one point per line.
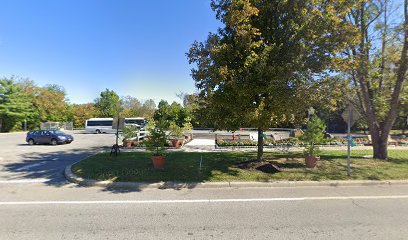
350	116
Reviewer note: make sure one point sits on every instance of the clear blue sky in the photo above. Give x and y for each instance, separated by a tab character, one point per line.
135	47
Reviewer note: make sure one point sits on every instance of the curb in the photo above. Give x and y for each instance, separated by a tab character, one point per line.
70	176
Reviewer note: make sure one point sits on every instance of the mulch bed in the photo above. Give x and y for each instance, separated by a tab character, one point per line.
254	165
268	166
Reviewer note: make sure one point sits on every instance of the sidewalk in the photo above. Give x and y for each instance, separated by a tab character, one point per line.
200	145
208	145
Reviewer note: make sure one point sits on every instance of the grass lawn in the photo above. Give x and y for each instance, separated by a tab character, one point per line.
182	166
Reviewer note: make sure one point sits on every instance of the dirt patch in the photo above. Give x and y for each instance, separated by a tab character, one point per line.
271	166
268	168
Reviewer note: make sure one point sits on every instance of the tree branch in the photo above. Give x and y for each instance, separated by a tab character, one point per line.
402	70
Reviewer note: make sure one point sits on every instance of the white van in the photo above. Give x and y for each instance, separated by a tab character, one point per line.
99	125
136	121
140	123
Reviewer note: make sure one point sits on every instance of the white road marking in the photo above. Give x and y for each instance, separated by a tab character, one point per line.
36	180
30	166
206	200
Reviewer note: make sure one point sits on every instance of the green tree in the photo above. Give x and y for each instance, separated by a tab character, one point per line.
376	64
148	108
49	102
190	104
178	113
162	112
133	107
170	113
108	104
266	65
14	105
82	112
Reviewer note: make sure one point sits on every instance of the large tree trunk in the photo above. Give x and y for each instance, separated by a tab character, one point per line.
379	128
398	88
260	144
380	146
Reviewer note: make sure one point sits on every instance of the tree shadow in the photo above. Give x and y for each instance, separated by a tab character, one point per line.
48	166
196	167
216	164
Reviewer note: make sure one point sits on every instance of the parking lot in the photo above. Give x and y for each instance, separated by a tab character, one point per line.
20	162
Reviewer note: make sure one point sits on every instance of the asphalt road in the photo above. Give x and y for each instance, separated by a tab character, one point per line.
33	211
22	162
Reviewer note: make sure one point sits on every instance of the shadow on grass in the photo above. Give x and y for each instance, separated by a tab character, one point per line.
193	167
182	170
181	167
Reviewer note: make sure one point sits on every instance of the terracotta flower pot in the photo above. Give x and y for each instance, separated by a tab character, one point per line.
158	162
176	143
311	161
128	144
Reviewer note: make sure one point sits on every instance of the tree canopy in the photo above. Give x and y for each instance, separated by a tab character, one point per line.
133	107
108	104
168	113
14	106
265	66
375	63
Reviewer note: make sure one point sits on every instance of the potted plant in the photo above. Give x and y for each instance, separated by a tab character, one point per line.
129	134
313	136
155	143
175	134
187	127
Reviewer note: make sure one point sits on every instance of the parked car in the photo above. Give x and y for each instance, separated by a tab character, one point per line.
52	137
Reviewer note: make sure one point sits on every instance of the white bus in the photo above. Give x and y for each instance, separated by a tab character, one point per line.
104	125
140	123
136	121
99	125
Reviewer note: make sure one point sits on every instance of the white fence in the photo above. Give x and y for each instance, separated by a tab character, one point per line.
57	126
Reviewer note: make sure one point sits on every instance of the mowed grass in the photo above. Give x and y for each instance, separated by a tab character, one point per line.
183	166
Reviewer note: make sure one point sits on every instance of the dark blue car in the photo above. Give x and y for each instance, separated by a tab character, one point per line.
52	137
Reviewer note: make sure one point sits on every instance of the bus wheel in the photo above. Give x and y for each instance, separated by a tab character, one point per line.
98	131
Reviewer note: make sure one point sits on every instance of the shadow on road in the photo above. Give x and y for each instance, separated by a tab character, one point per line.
50	165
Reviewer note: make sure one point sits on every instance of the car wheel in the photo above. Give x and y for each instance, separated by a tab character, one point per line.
54	142
98	131
31	141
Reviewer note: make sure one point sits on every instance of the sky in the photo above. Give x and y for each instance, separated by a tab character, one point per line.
134	47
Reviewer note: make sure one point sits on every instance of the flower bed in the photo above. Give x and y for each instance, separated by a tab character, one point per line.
290	142
168	144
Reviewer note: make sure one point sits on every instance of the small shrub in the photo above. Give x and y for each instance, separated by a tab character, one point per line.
313	136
